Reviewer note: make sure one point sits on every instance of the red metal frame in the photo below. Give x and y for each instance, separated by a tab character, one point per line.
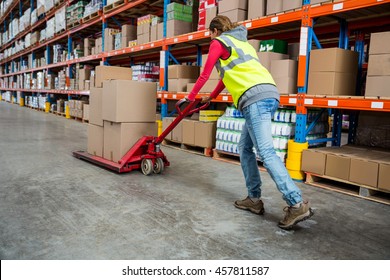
147	147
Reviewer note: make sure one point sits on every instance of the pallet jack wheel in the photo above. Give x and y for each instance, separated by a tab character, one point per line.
158	166
147	166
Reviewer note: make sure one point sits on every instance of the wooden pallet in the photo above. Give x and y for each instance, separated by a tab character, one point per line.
347	187
113	6
73	25
91	16
59	3
58	113
76	119
231	158
207	152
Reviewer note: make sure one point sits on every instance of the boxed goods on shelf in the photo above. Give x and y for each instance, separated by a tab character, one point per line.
274	6
332	71
178	27
291	4
129	33
179	12
273	45
234	10
60	20
378	72
284	73
109	38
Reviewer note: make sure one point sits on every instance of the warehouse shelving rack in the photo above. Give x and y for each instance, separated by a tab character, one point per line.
331	21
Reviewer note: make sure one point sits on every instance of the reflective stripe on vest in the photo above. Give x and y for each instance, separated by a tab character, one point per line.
242	69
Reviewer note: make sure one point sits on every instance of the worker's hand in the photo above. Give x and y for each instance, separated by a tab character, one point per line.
206	99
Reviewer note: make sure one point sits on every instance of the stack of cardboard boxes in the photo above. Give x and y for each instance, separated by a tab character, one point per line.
333	71
192	132
359	165
179	19
212	82
378	72
235	10
129	33
121	112
180	76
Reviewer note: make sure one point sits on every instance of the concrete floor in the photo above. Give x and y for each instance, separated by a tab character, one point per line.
54	206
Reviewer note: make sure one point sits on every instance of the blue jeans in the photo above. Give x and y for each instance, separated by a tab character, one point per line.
257	133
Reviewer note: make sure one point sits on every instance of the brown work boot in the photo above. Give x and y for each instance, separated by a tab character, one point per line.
248	204
295	215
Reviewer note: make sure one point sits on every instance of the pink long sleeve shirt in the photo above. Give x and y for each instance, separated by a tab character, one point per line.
216	51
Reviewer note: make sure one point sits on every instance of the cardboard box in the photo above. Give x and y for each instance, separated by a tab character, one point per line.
333	60
179	85
95	140
86	112
129	101
177	133
160	30
210	14
379	65
228	5
384	176
84	74
291	4
379	43
183	71
293	51
214	73
205	134
178	27
286	85
338	166
153	33
331	83
256	8
120	137
129	31
109	39
111	72
284	68
188	132
364	171
235	15
255	44
266	58
378	86
165	123
314	161
274	6
96	106
208	87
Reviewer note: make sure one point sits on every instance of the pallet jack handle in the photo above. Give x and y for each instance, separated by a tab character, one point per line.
188	110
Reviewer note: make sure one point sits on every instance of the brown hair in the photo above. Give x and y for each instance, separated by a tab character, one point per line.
222	24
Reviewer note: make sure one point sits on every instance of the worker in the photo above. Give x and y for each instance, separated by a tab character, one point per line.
254	93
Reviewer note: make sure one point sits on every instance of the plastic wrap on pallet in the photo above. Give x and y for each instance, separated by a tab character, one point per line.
49	4
34	16
27	40
60	20
27	18
40	7
50	28
42	35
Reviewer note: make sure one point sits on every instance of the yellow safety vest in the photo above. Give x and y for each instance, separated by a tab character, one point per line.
242	70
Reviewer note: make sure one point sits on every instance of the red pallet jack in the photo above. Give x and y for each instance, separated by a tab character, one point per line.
146	153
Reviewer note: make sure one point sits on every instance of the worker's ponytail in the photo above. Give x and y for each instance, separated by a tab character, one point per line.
222	24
